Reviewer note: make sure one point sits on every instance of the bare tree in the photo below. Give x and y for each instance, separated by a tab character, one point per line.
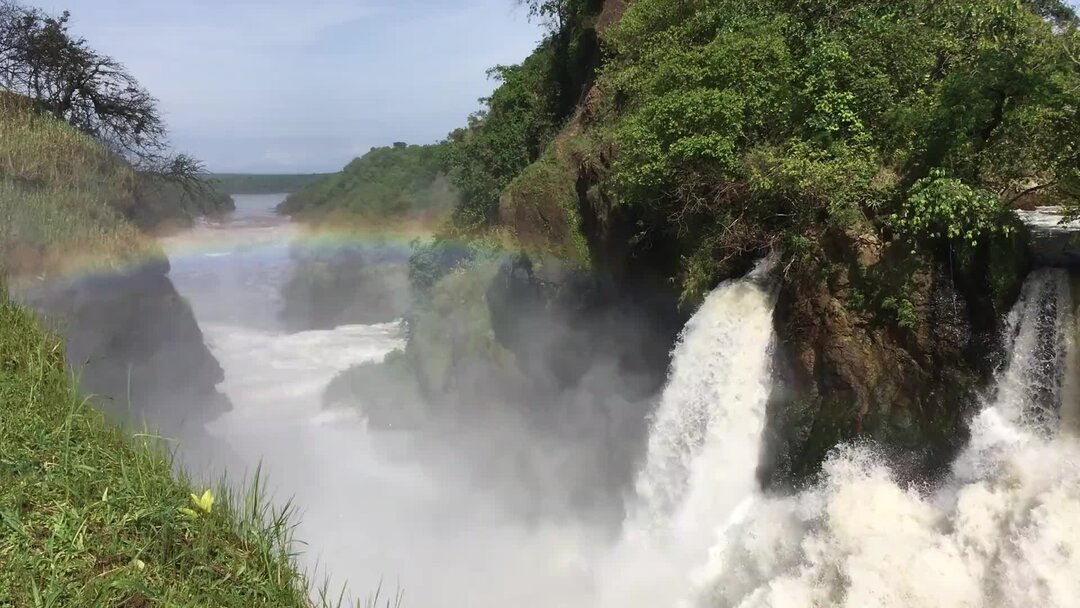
63	76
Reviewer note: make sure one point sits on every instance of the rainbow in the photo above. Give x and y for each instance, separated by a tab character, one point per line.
272	237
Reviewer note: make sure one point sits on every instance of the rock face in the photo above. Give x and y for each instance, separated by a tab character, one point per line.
595	353
335	286
518	346
135	344
902	369
560	322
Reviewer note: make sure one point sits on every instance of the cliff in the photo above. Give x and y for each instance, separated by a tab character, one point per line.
134	343
717	132
644	153
68	249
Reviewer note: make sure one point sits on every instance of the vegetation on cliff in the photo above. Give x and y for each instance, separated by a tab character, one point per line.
263	183
360	277
63	197
90	516
775	123
879	146
399	182
58	74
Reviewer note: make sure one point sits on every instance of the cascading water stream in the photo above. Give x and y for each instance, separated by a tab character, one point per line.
704	443
1003	531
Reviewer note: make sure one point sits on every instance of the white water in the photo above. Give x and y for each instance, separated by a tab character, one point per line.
371	514
704	444
1002	531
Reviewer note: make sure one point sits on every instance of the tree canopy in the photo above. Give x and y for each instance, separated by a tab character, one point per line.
392	182
752	122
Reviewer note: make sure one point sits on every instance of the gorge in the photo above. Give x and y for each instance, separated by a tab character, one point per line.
709	304
423	509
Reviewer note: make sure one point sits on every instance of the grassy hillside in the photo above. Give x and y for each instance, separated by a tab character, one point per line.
393	182
255	183
63	197
91	517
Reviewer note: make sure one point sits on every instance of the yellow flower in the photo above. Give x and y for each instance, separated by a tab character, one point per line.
205	502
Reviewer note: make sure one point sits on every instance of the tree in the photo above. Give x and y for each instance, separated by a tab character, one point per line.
63	76
553	12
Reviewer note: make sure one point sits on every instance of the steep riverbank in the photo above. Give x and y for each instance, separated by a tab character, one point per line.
135	345
94	515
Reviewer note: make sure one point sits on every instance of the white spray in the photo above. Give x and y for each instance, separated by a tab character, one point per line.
1004	531
704	444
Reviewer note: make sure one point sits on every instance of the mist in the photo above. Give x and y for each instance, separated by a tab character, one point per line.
619	468
507	501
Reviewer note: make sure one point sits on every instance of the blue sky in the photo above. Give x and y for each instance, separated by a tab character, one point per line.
283	86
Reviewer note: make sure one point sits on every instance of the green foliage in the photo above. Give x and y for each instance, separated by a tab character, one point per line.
746	122
91	517
540	206
63	197
940	207
393	182
252	183
525	112
501	140
906	315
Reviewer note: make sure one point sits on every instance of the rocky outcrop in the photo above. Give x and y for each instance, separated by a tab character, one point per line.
135	345
595	352
333	286
560	321
518	345
877	343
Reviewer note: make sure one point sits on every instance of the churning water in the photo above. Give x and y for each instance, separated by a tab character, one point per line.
1002	531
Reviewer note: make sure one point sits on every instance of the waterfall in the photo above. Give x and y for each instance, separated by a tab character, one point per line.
1029	392
1002	531
704	444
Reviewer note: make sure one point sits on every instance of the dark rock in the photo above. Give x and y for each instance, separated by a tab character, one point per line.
135	345
890	347
345	285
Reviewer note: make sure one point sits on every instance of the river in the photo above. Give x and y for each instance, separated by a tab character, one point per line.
999	530
369	514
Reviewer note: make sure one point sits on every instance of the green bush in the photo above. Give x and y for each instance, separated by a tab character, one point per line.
942	208
746	122
397	182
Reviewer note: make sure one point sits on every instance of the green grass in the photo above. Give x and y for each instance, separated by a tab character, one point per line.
62	197
90	516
